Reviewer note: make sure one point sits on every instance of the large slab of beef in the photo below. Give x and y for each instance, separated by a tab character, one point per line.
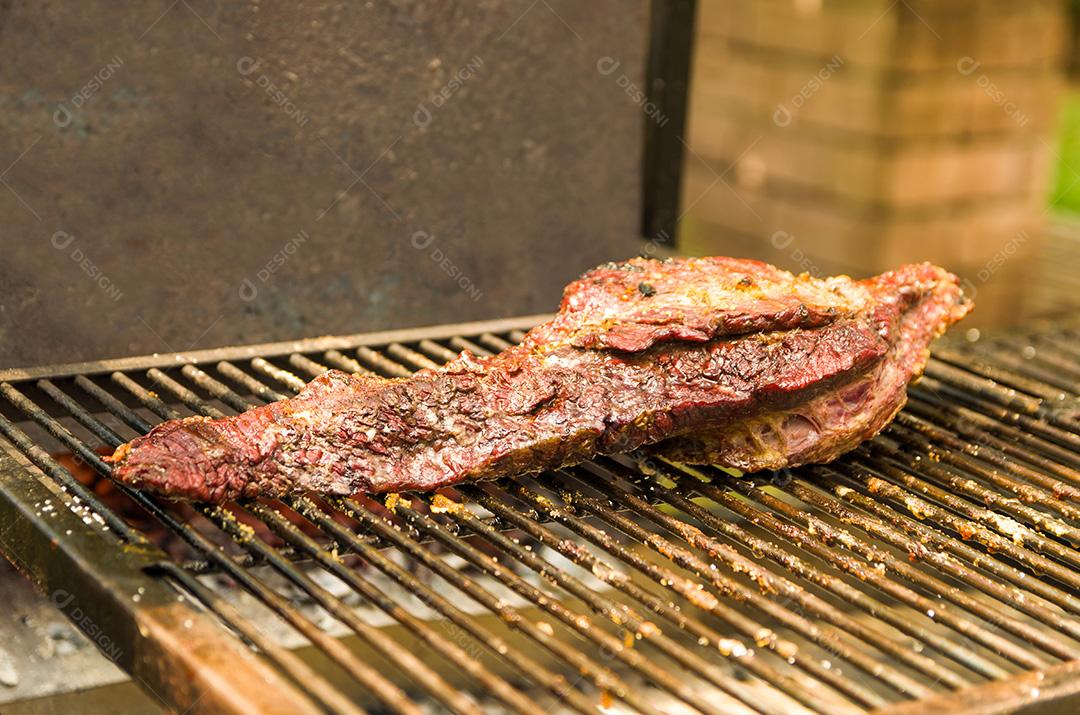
716	360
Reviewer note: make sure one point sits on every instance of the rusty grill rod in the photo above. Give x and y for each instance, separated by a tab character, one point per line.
1038	366
977	520
850	565
1038	386
247	381
1057	342
890	526
1054	493
1016	443
992	391
495	342
698	595
959	479
621	615
832	637
581	624
497	501
603	678
814	542
1005	415
292	383
1039	361
436	686
1021	599
364	673
554	682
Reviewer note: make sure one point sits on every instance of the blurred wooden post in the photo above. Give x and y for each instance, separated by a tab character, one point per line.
843	136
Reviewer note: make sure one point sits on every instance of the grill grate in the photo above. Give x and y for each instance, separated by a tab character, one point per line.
934	567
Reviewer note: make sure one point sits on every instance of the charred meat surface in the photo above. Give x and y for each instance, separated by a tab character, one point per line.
718	360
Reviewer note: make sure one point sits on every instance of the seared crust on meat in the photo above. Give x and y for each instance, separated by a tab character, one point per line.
686	354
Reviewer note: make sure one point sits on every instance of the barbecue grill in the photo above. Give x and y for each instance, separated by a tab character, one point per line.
933	569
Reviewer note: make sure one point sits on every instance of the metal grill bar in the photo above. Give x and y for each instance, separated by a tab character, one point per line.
967	424
973	361
885	559
969	527
809	543
310	509
834	639
966	456
613	577
637	627
436	686
497	343
891	525
311	680
225	521
603	677
370	677
939	558
693	591
556	683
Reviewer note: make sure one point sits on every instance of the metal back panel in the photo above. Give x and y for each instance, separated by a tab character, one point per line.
203	173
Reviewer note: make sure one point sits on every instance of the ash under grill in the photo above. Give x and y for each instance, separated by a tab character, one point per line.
934	568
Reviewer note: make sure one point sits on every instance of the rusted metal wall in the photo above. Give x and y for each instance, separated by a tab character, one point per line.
201	173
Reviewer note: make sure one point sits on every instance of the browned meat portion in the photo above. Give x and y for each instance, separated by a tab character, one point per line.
720	360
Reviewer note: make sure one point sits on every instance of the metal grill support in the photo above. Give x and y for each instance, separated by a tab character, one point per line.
934	564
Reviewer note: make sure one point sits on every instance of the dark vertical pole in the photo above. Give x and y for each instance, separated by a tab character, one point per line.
671	37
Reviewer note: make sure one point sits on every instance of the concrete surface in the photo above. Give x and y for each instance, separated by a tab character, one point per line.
48	666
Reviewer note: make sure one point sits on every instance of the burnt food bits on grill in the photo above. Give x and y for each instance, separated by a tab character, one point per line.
718	360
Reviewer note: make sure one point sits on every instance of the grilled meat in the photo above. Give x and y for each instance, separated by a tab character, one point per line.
718	360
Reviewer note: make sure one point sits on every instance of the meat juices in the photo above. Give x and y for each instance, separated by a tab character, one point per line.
704	360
